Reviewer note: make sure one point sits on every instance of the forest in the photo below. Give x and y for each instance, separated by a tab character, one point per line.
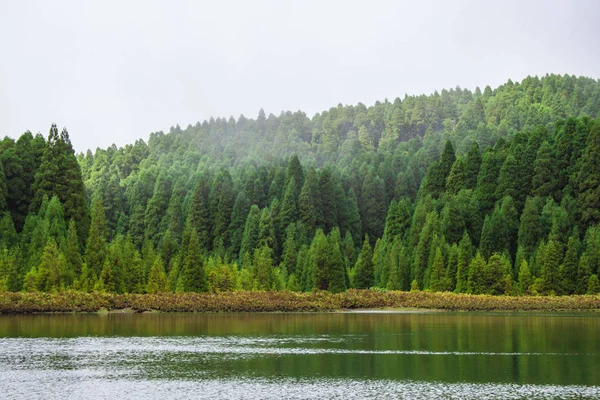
481	192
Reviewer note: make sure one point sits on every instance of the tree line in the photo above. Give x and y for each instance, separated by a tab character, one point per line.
494	191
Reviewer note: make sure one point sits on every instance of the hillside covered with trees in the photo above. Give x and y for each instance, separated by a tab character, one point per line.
494	191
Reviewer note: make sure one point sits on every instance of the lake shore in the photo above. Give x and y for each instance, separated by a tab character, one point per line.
71	301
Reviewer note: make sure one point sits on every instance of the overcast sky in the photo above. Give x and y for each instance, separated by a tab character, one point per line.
114	71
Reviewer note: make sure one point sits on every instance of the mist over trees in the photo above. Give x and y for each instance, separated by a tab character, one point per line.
493	191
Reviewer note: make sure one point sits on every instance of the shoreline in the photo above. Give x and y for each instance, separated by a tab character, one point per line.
349	301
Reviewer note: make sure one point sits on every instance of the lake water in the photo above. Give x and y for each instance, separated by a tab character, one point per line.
287	356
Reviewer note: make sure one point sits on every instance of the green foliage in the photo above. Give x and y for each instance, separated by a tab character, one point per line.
254	192
363	270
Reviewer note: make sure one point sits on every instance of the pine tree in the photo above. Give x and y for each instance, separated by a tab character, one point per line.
486	181
327	211
95	251
221	199
593	285
241	207
157	209
59	174
494	276
288	263
550	273
307	202
157	280
530	228
337	268
72	253
373	206
544	176
294	171
250	235
364	274
588	178
198	218
473	163
354	223
423	250
263	268
195	273
476	280
525	278
51	269
289	208
569	267
457	179
437	272
465	252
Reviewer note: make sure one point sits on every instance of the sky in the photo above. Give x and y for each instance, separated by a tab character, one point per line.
115	71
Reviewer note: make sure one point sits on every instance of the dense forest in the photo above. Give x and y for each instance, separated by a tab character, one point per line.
494	191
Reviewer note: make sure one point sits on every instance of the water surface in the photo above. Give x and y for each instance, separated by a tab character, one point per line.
327	355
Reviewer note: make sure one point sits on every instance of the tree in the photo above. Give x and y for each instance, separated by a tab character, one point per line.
327	210
95	250
437	272
472	166
157	280
569	267
221	199
59	174
588	178
457	179
157	209
307	202
544	177
551	282
289	208
476	280
465	252
195	273
251	232
51	269
525	278
364	273
198	218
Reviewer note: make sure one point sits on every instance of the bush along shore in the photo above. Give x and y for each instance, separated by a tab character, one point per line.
285	301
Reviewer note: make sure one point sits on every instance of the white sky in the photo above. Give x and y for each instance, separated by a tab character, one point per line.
114	71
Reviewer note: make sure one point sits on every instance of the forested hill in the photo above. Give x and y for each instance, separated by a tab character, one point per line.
493	191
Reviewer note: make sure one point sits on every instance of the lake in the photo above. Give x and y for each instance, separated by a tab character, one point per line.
301	355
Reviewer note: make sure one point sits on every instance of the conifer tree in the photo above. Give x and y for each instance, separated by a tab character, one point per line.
157	280
364	273
588	178
263	268
251	231
354	223
195	273
593	285
544	177
525	278
472	165
198	218
457	179
569	267
437	272
551	281
289	209
221	199
241	207
95	250
307	202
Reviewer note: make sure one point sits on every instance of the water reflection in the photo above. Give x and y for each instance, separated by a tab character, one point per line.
455	353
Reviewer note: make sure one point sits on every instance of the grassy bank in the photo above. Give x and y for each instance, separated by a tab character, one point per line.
16	303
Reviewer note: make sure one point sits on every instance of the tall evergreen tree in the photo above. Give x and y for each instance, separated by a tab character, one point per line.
95	250
363	271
